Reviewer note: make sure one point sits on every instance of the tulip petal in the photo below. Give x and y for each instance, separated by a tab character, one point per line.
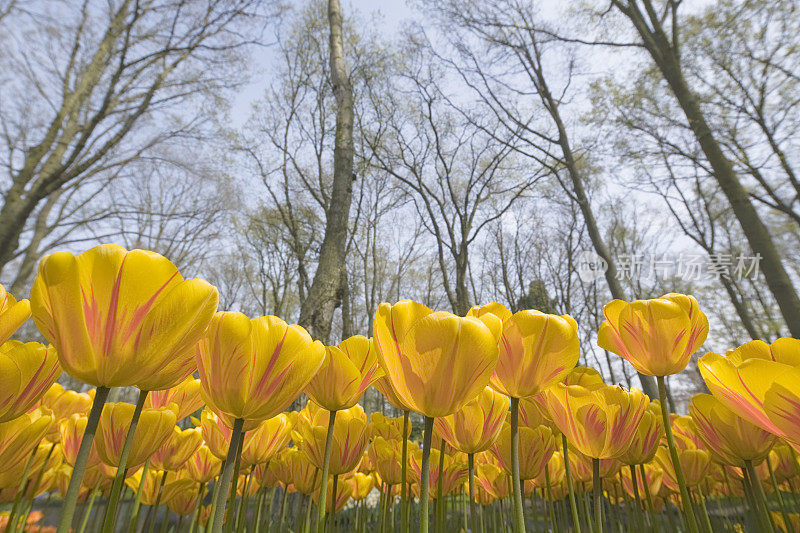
782	405
742	388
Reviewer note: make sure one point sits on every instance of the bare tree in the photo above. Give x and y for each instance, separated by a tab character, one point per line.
658	26
109	94
460	179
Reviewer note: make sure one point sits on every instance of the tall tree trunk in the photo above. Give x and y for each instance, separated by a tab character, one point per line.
316	313
582	199
666	56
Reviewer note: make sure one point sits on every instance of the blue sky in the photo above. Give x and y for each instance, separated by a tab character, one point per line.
391	14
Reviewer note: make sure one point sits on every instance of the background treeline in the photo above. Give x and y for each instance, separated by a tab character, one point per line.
493	143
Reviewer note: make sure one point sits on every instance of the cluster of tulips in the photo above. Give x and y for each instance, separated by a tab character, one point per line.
509	420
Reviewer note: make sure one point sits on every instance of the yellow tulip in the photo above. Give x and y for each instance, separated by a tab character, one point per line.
491	478
65	403
347	371
657	336
186	395
386	457
177	449
20	436
536	446
386	427
26	372
782	405
295	468
533	412
120	318
454	473
582	466
13	314
343	492
731	439
203	465
362	485
71	432
556	471
646	438
271	436
44	457
586	377
93	478
384	386
685	432
537	350
252	369
216	433
694	464
599	423
154	428
654	476
182	498
475	426
782	526
744	378
266	474
244	485
152	483
436	362
784	462
349	437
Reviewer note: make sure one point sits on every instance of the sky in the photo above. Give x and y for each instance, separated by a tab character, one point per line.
390	14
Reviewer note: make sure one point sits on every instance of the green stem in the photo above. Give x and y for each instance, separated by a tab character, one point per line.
122	468
704	510
673	452
647	494
473	515
778	494
215	496
137	504
597	485
154	508
36	483
307	520
271	506
381	507
283	510
576	524
229	516
75	481
22	488
440	502
403	476
333	499
259	509
550	503
243	504
165	521
586	511
197	506
534	513
227	474
637	502
751	500
426	463
88	510
758	492
319	522
519	514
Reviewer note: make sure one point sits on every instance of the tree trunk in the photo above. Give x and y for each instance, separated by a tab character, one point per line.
666	57
316	313
579	191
